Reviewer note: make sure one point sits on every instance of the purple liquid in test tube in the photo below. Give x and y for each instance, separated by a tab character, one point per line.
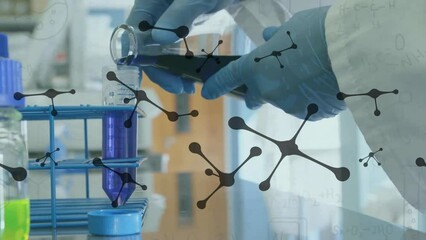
118	142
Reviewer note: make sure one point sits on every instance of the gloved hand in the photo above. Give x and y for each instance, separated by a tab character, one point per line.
306	77
169	14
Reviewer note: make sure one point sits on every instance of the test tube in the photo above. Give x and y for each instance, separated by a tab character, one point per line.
127	49
118	142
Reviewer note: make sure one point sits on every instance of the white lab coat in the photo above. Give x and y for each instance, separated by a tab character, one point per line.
381	44
373	44
253	16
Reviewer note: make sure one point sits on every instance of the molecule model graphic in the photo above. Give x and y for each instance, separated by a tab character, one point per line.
18	173
288	147
209	56
50	93
140	95
46	156
278	54
181	32
225	179
373	93
52	21
371	155
125	177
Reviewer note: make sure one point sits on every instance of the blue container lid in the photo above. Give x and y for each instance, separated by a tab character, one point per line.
4	51
10	77
115	222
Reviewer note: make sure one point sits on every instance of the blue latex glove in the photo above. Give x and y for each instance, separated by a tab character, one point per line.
169	14
306	77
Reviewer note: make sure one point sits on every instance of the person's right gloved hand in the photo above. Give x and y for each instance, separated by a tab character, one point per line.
169	14
306	76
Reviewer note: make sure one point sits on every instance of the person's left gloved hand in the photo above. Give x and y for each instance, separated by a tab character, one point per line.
306	77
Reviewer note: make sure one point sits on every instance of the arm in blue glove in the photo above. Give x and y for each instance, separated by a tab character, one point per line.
169	14
306	76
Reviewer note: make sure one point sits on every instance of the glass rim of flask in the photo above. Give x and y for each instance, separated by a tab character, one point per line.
116	44
136	46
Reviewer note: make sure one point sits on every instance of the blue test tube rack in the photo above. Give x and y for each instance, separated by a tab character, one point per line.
76	214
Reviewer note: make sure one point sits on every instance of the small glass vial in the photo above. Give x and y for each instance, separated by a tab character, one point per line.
15	204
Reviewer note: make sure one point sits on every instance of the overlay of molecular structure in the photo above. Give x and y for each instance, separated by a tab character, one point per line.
125	177
373	93
209	56
140	95
18	173
225	179
46	156
288	148
277	54
371	155
181	32
50	93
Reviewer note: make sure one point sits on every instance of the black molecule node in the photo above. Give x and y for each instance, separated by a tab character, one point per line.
278	53
50	93
126	178
18	173
46	156
181	32
288	148
209	56
140	95
373	93
371	155
225	179
420	162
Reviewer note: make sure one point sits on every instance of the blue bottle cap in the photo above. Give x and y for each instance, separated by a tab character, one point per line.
115	222
10	77
4	51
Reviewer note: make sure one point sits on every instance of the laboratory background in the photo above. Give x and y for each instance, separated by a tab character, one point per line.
64	45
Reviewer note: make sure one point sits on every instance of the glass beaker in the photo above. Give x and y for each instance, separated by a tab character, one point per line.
126	49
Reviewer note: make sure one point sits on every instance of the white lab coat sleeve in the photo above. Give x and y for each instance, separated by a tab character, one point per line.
253	16
381	45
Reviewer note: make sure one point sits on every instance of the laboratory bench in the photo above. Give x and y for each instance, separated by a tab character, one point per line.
241	212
